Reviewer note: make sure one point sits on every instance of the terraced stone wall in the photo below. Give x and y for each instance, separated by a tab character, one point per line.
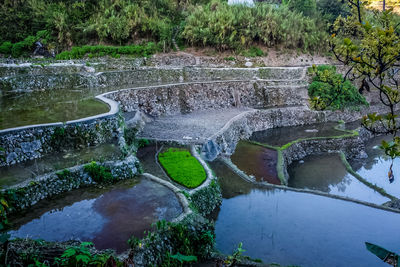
31	191
29	143
189	97
61	76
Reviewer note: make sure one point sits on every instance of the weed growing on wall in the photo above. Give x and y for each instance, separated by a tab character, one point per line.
99	174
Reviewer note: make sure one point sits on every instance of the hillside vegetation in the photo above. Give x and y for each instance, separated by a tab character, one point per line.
302	25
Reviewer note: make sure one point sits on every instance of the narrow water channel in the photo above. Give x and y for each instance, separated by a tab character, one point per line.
107	217
300	229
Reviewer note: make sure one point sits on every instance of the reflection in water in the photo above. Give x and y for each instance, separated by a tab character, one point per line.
297	228
231	184
11	175
57	105
283	135
147	158
106	218
375	168
327	173
256	160
48	106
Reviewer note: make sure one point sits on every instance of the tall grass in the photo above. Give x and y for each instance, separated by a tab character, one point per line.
231	27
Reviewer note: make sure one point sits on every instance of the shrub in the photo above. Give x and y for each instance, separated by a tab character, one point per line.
182	167
331	9
5	48
99	174
306	7
328	89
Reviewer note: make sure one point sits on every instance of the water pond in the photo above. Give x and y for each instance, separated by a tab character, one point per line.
107	217
257	161
299	229
283	135
14	174
375	168
327	173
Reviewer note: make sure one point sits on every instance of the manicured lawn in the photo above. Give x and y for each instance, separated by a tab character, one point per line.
182	167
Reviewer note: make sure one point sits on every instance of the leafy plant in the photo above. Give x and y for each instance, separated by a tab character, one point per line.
329	90
183	258
81	256
235	258
373	56
99	173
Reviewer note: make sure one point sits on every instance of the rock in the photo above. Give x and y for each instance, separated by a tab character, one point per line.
248	64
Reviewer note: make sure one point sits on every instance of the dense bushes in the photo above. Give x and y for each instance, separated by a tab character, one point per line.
294	24
24	46
329	90
306	7
232	27
113	51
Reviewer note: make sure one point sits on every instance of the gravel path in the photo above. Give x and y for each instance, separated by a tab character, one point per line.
195	127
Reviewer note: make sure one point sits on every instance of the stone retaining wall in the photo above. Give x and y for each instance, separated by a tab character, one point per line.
27	143
31	191
80	76
188	97
243	125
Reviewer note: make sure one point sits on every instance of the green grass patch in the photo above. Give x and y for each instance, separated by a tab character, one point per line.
182	167
78	52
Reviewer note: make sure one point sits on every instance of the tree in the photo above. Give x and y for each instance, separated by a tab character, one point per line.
375	58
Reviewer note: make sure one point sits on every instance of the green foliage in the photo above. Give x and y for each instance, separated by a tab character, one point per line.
143	143
329	90
392	148
182	167
183	258
306	7
25	46
81	256
253	52
331	9
373	55
238	26
113	51
233	259
230	58
99	174
64	174
189	240
5	48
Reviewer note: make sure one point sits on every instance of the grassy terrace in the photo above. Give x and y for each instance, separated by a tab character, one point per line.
182	167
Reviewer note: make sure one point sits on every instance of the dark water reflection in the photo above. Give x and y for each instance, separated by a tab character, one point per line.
301	229
107	217
283	135
257	161
327	173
